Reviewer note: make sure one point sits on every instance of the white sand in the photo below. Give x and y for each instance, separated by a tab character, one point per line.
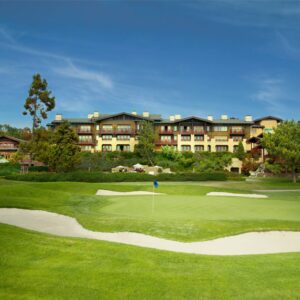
113	193
242	244
236	195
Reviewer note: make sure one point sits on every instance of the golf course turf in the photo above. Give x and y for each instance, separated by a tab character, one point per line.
35	265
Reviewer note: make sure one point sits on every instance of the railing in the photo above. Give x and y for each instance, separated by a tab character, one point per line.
163	131
105	131
115	131
237	131
89	142
124	131
170	142
84	131
6	147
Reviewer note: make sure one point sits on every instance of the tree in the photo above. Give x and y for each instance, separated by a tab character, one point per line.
64	153
20	133
39	147
39	101
212	161
284	144
145	147
240	152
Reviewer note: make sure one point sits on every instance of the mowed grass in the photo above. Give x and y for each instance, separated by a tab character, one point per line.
40	266
184	213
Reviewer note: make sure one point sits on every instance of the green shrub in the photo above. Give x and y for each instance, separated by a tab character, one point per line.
9	168
38	169
116	177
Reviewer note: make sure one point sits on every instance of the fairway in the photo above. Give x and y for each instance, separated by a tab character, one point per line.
52	267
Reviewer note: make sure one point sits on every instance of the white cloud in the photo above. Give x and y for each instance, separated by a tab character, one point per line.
73	71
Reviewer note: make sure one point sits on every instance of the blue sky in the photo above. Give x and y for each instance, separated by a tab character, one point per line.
169	57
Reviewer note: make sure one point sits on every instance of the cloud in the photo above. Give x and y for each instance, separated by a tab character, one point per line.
270	91
73	71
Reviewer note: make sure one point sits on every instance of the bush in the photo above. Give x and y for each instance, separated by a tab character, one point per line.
38	169
116	177
9	168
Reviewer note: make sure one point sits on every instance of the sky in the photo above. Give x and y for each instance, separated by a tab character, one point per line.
233	57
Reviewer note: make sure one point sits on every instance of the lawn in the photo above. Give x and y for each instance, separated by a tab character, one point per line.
185	213
41	266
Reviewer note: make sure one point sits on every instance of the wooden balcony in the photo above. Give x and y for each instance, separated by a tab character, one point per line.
124	131
82	131
163	143
89	142
237	131
163	131
105	131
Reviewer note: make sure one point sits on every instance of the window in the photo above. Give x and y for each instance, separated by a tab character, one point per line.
106	148
268	130
185	128
123	137
236	129
220	128
123	128
86	148
235	148
237	138
123	147
221	148
185	137
221	138
85	128
85	138
198	128
107	128
165	138
199	148
185	148
106	137
199	138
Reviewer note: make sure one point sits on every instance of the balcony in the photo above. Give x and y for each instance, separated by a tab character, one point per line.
163	131
105	131
89	142
199	131
237	131
189	131
124	131
11	147
84	131
163	143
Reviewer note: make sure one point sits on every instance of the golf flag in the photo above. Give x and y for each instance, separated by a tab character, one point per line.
155	183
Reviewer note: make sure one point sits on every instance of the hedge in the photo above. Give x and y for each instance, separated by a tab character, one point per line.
116	177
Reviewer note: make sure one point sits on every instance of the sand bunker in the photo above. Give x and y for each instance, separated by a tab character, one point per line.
113	193
242	244
236	195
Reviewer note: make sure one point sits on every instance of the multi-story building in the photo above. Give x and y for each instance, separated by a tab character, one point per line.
120	132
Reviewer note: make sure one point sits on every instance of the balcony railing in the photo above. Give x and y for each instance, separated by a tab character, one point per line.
105	131
124	131
164	131
84	131
237	131
116	131
89	142
166	142
8	147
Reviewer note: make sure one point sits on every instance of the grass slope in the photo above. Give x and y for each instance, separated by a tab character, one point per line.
39	266
185	213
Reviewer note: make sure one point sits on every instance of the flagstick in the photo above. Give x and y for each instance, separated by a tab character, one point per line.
152	199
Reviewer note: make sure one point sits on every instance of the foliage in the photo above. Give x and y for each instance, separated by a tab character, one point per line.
64	152
20	133
117	177
170	153
9	168
284	143
240	152
211	161
145	147
39	101
249	164
39	147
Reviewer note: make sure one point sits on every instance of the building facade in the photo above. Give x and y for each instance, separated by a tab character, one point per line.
120	132
9	145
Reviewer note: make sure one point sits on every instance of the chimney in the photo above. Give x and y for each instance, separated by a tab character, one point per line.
172	118
134	113
210	118
177	117
90	116
224	117
146	114
58	117
96	114
248	118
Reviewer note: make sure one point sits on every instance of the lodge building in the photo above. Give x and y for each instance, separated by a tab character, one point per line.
120	132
